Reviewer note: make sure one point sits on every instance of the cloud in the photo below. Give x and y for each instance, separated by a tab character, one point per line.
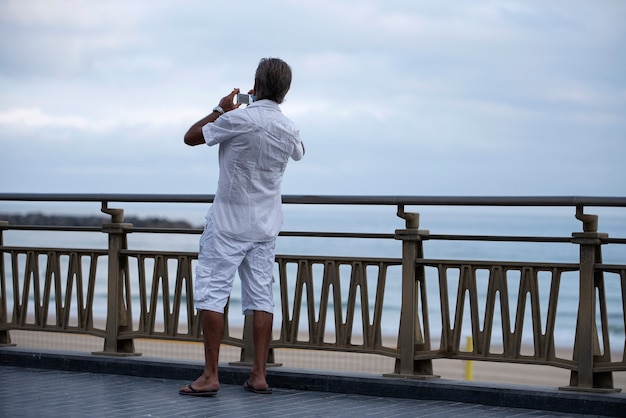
72	14
61	37
512	97
34	117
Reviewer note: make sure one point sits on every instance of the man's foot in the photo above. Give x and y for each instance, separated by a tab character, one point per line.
191	391
247	386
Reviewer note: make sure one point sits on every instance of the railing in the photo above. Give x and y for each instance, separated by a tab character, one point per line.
66	304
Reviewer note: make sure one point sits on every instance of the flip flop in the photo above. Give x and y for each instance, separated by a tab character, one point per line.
249	388
194	392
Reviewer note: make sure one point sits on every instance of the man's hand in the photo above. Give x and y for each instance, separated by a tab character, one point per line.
194	135
227	103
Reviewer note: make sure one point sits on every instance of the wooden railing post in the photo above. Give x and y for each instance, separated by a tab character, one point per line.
411	337
118	291
246	357
587	350
5	338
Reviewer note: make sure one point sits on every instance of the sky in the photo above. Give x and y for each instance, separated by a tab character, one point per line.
522	98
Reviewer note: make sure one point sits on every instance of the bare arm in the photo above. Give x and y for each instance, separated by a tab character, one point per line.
194	135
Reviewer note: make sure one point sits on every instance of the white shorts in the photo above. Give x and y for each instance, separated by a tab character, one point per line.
218	260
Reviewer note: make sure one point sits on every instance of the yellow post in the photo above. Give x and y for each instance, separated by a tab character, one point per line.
469	364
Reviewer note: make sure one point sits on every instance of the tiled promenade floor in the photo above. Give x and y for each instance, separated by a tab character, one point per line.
45	383
29	392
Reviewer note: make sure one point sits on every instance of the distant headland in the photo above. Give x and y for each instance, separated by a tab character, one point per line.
39	219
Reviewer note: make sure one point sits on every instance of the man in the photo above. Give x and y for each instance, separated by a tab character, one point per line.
255	144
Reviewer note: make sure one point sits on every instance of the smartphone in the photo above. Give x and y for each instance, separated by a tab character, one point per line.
245	98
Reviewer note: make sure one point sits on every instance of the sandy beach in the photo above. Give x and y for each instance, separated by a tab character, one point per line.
479	371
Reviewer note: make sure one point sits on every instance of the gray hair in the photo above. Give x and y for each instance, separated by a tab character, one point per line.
272	79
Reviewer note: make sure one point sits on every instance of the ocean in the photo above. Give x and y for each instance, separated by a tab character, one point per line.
546	222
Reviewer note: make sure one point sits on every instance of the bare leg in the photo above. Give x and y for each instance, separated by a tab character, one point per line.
212	330
262	327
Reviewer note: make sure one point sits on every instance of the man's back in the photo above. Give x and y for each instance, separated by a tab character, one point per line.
255	145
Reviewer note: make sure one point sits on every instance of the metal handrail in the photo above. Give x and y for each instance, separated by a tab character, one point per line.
572	201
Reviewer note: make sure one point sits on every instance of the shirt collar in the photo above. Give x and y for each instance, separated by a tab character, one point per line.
265	103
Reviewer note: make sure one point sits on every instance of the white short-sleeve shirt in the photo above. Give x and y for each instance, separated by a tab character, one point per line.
255	144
